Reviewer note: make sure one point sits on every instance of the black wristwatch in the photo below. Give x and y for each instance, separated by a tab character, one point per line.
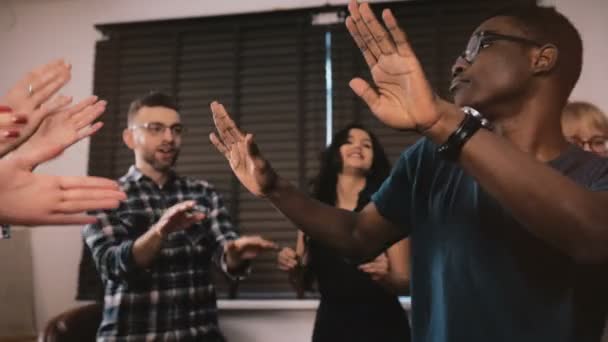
485	123
472	122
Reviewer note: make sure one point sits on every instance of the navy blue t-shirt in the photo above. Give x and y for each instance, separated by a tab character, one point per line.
477	274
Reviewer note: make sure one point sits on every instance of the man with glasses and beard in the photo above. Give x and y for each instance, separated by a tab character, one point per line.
155	251
508	225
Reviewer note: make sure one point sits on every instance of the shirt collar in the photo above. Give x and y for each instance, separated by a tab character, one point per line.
134	174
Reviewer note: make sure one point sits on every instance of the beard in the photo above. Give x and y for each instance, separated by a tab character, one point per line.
159	164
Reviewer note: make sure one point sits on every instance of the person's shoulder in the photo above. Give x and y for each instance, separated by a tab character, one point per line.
422	152
133	188
192	182
130	181
582	166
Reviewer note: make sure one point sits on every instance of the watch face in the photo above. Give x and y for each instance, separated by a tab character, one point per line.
485	123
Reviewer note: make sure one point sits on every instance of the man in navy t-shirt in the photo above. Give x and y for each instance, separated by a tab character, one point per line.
508	222
477	273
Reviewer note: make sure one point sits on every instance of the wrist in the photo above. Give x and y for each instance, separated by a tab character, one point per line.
272	184
232	261
160	231
448	122
279	187
471	123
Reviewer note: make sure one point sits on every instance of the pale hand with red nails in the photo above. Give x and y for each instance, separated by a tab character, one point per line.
62	129
35	199
28	99
10	125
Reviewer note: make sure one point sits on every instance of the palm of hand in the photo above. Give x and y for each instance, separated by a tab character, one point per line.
24	186
240	161
177	221
402	87
242	164
50	134
242	153
61	129
248	165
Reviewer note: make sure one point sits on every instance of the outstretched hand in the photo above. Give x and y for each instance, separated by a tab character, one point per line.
242	153
34	199
287	259
402	97
180	216
61	129
29	98
378	268
246	248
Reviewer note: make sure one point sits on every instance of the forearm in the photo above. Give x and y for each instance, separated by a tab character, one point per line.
548	204
146	247
113	258
396	284
111	252
235	267
322	222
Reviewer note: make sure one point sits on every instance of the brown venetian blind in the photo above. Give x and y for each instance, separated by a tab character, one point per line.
269	71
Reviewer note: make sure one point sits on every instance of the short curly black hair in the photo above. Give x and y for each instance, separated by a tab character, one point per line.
547	25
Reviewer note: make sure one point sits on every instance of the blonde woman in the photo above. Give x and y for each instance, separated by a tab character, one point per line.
586	126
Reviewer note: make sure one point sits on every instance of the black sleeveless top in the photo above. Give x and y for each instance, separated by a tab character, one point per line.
353	307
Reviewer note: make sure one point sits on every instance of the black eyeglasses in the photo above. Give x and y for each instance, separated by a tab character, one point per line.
482	38
158	128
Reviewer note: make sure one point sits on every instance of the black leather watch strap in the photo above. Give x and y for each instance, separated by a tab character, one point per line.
450	150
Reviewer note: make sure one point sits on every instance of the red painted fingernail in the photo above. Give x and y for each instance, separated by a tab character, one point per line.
19	119
11	134
5	109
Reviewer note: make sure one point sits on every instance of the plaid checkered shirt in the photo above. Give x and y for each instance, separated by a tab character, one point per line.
174	298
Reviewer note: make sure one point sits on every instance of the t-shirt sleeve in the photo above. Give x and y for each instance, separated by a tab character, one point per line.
394	198
600	181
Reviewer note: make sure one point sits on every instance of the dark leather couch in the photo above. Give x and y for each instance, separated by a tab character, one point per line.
75	325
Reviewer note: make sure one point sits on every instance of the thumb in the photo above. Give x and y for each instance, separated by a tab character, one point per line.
30	159
252	148
365	92
230	246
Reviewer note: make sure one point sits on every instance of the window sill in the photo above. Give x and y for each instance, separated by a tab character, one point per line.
280	304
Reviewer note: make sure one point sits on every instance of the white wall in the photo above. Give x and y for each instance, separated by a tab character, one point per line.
589	16
35	31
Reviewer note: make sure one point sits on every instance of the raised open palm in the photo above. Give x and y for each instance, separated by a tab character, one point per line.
61	129
402	97
34	199
244	157
30	97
